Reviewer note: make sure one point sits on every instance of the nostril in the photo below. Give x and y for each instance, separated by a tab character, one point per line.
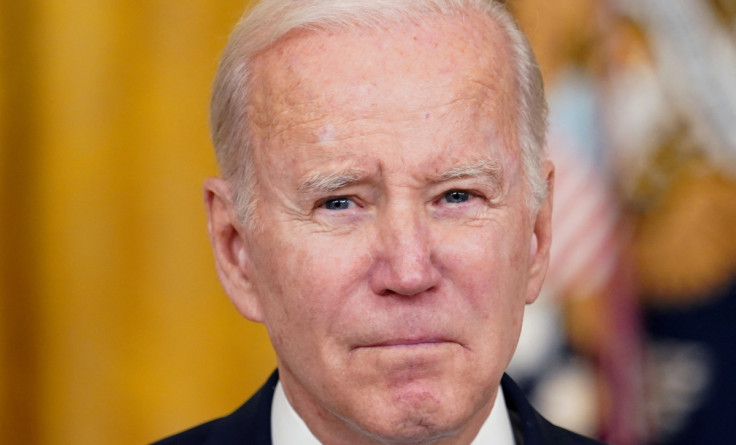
404	293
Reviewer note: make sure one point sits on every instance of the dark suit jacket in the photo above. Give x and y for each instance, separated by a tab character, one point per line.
251	423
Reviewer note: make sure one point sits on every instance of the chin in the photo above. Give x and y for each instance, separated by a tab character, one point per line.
412	430
415	415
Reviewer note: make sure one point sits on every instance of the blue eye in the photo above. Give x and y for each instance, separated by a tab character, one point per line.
456	196
341	203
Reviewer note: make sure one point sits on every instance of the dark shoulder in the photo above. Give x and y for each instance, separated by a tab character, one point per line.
194	436
249	424
553	434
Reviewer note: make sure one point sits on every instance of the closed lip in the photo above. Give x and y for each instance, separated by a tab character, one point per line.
397	342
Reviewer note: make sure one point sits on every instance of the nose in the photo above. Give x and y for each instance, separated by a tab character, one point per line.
403	257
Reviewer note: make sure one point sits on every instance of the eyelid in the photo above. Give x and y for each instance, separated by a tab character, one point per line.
477	186
470	191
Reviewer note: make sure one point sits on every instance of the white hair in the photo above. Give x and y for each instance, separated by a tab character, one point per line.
270	20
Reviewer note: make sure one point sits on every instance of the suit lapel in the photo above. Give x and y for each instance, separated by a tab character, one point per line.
530	427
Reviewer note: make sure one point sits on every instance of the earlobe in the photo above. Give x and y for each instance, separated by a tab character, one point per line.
541	238
230	249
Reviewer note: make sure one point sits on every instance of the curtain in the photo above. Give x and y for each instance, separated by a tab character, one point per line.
113	326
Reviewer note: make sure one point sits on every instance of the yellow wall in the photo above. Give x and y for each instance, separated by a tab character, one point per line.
113	327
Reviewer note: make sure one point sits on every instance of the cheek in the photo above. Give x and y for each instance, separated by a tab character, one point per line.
309	277
491	261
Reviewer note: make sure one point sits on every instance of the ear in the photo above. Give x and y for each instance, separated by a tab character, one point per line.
541	238
230	248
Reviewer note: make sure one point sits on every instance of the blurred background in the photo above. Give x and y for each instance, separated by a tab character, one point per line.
114	329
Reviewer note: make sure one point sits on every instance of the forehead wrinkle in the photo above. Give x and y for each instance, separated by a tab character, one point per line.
342	128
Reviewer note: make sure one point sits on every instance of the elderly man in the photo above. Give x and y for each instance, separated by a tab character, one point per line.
385	211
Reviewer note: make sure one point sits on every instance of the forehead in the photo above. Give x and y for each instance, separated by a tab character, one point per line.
321	77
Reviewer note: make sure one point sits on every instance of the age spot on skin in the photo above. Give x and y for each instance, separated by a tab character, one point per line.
326	134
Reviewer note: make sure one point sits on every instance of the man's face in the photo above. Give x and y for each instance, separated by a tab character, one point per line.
393	252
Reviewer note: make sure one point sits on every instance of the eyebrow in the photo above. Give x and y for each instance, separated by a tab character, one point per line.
328	183
320	183
482	168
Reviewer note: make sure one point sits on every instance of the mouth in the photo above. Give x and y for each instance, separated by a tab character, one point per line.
407	343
